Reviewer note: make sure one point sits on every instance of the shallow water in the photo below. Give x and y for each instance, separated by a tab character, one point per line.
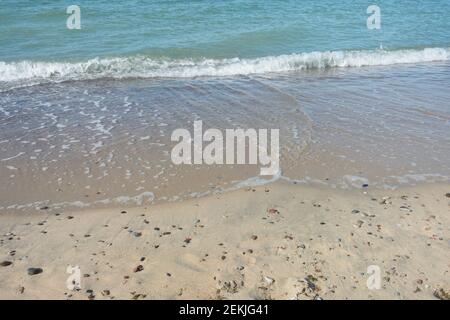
107	142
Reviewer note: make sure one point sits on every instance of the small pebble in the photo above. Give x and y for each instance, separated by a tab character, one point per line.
139	268
34	271
5	263
106	292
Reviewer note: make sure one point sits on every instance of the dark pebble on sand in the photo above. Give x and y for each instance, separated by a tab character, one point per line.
5	263
106	292
365	185
447	195
137	234
34	271
139	268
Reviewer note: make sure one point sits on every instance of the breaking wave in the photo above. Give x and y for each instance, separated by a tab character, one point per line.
24	73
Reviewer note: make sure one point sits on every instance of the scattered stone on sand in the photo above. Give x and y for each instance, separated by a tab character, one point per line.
317	285
442	294
137	296
34	271
358	224
106	293
269	280
310	281
5	263
139	268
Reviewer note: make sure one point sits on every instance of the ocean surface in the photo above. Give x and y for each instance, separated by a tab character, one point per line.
208	38
86	115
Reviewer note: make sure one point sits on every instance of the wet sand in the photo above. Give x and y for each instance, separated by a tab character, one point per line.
279	241
104	143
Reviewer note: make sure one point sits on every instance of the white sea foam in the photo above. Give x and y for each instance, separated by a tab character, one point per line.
138	200
23	73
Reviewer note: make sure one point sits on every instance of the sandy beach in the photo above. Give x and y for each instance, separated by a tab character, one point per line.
279	241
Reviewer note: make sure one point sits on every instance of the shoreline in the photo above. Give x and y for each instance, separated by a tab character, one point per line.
348	183
81	147
276	241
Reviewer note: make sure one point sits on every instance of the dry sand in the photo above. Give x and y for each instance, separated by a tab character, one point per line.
279	241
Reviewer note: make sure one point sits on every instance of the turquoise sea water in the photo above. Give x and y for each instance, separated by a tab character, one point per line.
208	37
215	29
